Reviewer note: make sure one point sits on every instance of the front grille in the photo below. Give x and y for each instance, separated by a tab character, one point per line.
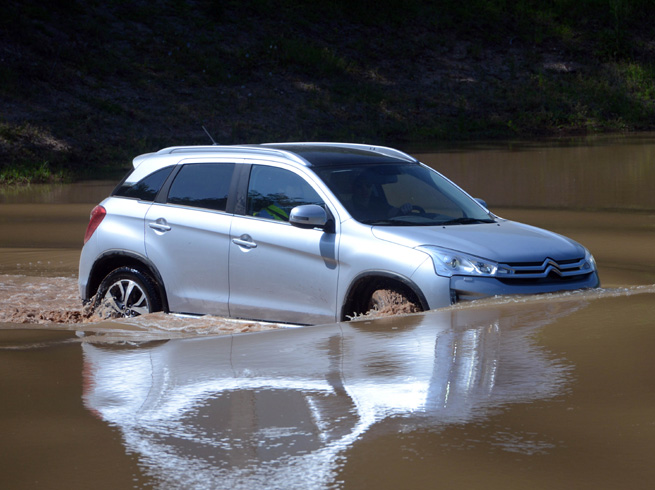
549	270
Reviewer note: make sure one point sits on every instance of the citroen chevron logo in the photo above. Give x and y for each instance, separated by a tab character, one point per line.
550	265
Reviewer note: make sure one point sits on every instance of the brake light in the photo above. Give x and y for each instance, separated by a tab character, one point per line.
97	215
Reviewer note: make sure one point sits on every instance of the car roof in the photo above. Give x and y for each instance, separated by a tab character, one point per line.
313	154
305	154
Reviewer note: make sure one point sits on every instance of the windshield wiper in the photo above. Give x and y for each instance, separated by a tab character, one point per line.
467	221
380	222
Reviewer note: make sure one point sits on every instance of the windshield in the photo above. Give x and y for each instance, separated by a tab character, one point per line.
401	195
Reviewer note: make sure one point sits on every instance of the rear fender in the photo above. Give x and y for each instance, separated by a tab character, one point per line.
113	259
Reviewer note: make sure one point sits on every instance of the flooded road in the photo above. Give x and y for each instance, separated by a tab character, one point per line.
532	392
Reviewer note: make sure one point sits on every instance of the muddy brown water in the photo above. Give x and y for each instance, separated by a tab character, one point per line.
553	391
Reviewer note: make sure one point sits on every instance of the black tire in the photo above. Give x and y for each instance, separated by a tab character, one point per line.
126	292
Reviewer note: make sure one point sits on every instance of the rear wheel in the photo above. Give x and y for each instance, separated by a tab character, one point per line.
126	292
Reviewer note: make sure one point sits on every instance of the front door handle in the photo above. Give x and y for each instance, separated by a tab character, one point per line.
244	241
159	225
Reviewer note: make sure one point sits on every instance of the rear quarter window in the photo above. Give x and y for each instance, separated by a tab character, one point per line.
147	188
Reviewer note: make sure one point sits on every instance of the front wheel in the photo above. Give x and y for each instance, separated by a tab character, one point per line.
391	301
126	292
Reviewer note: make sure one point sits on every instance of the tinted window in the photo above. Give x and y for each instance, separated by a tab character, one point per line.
202	185
273	192
147	188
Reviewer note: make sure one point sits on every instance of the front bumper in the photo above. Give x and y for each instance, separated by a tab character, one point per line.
465	288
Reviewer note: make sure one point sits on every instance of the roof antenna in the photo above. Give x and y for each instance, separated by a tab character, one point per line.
210	136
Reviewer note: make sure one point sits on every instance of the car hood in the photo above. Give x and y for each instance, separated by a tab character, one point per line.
503	241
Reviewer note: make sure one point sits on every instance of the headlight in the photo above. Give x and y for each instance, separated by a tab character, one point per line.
590	262
449	263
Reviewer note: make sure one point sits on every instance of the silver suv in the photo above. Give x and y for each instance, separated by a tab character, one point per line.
307	233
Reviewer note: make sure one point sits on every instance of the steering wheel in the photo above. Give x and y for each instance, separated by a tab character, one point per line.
417	209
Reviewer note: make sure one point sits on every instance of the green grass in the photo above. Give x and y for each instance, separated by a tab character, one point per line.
30	173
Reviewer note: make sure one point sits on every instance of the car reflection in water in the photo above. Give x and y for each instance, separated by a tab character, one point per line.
279	408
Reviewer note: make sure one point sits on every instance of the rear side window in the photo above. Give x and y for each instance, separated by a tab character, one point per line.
147	188
202	185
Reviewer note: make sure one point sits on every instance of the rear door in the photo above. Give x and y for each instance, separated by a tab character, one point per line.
187	238
279	272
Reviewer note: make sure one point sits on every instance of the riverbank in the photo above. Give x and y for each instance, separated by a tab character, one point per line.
86	87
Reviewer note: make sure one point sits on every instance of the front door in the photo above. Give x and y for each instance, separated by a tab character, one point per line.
279	272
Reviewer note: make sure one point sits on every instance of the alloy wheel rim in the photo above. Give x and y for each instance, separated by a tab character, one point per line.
127	298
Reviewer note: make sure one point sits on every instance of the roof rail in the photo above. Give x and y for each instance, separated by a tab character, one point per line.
384	150
194	148
234	148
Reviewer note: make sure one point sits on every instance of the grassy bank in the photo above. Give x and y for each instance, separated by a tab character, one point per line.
84	86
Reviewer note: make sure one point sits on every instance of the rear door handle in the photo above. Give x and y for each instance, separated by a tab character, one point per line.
244	241
159	225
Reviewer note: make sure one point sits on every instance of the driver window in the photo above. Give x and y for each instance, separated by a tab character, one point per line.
273	192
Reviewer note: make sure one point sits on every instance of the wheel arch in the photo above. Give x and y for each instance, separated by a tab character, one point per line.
114	259
366	283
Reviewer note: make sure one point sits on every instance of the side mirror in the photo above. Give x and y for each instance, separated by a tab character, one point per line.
308	216
482	202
